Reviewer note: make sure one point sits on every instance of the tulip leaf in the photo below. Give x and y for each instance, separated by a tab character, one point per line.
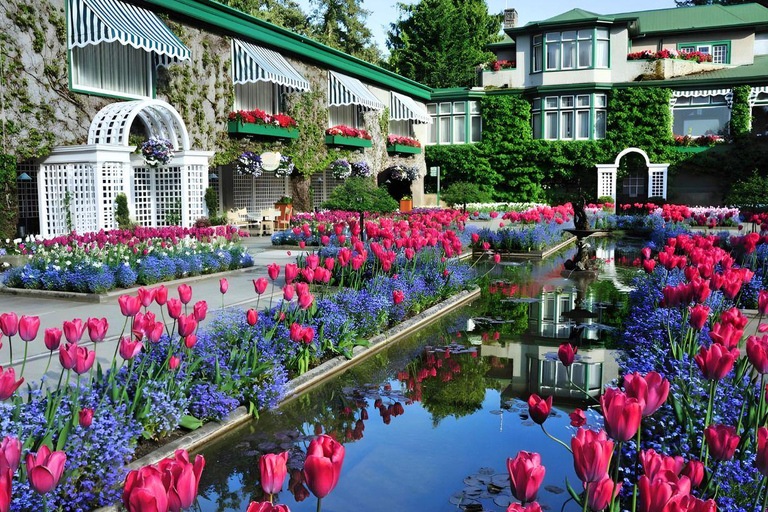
63	435
190	422
576	497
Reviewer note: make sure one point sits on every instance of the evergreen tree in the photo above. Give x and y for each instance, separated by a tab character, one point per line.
440	43
284	13
341	24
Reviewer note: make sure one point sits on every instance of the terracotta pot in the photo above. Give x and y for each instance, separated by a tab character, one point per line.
284	208
406	205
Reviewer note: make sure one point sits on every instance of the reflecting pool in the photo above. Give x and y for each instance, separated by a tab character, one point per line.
429	423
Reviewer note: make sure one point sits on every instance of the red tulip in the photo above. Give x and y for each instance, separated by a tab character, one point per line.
181	478
146	297
44	469
699	315
291	271
252	316
762	302
74	357
646	252
6	490
129	349
288	292
592	453
757	353
622	414
272	471
185	293
28	327
601	493
223	285
85	417
52	338
190	341
9	324
200	310
649	266
659	492
306	300
655	463
273	270
144	491
525	475
187	325
8	383
10	454
695	471
716	361
322	466
260	285
762	451
567	353
129	305
174	308
266	506
73	330
722	441
97	329
726	334
173	362
496	258
398	296
651	390
161	295
578	418
539	408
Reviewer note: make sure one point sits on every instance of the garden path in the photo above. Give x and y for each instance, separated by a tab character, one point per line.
53	312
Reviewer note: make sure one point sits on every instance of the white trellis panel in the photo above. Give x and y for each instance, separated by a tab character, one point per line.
242	191
53	184
196	178
112	183
168	199
318	189
142	193
657	183
83	203
267	190
56	182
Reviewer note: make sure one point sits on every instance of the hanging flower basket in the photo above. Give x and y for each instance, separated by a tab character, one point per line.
249	163
157	151
341	169
403	173
286	167
362	169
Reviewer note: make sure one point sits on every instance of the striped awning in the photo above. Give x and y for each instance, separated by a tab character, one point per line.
253	63
405	108
104	21
345	90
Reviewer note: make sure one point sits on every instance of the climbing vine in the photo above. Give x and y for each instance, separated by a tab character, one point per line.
741	113
9	212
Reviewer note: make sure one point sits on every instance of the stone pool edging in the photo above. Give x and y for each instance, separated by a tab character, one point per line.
101	298
299	385
532	255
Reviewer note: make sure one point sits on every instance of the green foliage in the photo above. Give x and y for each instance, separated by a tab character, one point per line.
440	43
284	13
750	193
741	113
461	193
122	214
341	24
361	194
9	213
212	202
640	117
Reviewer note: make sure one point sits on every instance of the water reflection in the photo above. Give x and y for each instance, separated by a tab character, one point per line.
428	423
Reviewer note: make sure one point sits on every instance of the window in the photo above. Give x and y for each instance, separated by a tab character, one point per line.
538	54
700	115
553	50
457	122
403	128
634	185
720	51
572	49
569	117
569	50
112	68
585	48
348	115
602	50
266	96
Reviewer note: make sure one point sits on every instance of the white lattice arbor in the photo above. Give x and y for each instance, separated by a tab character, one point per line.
77	185
657	176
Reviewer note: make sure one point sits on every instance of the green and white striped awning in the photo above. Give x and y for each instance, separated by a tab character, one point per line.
405	108
104	21
251	63
345	90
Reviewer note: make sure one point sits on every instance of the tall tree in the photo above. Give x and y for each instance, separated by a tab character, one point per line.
284	13
441	42
690	3
341	24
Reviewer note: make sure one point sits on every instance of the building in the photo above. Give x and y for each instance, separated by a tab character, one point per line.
90	80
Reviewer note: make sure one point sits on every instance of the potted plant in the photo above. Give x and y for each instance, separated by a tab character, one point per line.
406	204
285	205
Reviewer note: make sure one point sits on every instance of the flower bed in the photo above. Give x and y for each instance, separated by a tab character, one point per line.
527	239
707	141
670	54
99	262
167	377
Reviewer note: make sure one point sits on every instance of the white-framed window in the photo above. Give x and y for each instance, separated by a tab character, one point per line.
402	127
266	96
569	117
538	54
113	69
602	48
700	115
348	115
634	185
585	48
455	122
574	49
720	51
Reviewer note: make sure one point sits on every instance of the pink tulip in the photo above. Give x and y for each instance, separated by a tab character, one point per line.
173	362
129	349
174	308
185	293
566	354
260	285
291	271
77	358
161	295
44	469
187	325
52	338
9	324
144	491
265	506
223	285
288	292
306	300
273	270
182	478
722	441
85	417
10	454
539	408
28	327
525	475
272	471
652	390
8	383
190	341
129	305
6	489
398	296
200	310
97	329
322	466
252	316
73	330
146	297
622	414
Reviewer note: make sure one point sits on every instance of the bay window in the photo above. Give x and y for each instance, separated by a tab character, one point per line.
569	117
571	49
538	54
455	122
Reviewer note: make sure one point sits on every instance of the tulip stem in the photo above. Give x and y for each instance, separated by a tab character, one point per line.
586	497
24	363
708	420
318	504
616	473
47	366
757	497
765	501
638	465
556	439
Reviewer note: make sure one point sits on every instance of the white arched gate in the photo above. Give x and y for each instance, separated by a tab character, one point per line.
77	185
657	176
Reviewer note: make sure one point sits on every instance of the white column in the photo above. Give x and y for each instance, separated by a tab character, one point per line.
606	180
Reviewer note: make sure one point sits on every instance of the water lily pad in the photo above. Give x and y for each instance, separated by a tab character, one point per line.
554	489
456	498
487	471
504	500
528	423
472	481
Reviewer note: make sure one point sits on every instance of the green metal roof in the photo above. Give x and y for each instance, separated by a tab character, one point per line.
234	22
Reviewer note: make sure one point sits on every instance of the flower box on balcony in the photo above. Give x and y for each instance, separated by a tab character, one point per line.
399	148
263	130
340	140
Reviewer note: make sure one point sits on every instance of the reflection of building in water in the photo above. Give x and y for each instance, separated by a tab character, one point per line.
546	317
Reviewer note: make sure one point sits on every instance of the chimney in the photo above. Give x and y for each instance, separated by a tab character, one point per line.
510	18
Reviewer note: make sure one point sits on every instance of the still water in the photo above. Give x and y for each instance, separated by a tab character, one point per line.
429	423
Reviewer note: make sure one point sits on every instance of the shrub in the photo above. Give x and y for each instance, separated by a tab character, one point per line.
462	193
203	222
122	214
750	193
361	194
212	202
605	199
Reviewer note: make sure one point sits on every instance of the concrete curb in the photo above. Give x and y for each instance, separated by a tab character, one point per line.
307	381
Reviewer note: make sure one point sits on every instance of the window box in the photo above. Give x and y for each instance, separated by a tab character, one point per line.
355	142
399	148
263	130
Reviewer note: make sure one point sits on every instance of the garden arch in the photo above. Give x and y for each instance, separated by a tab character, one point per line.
657	176
112	124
